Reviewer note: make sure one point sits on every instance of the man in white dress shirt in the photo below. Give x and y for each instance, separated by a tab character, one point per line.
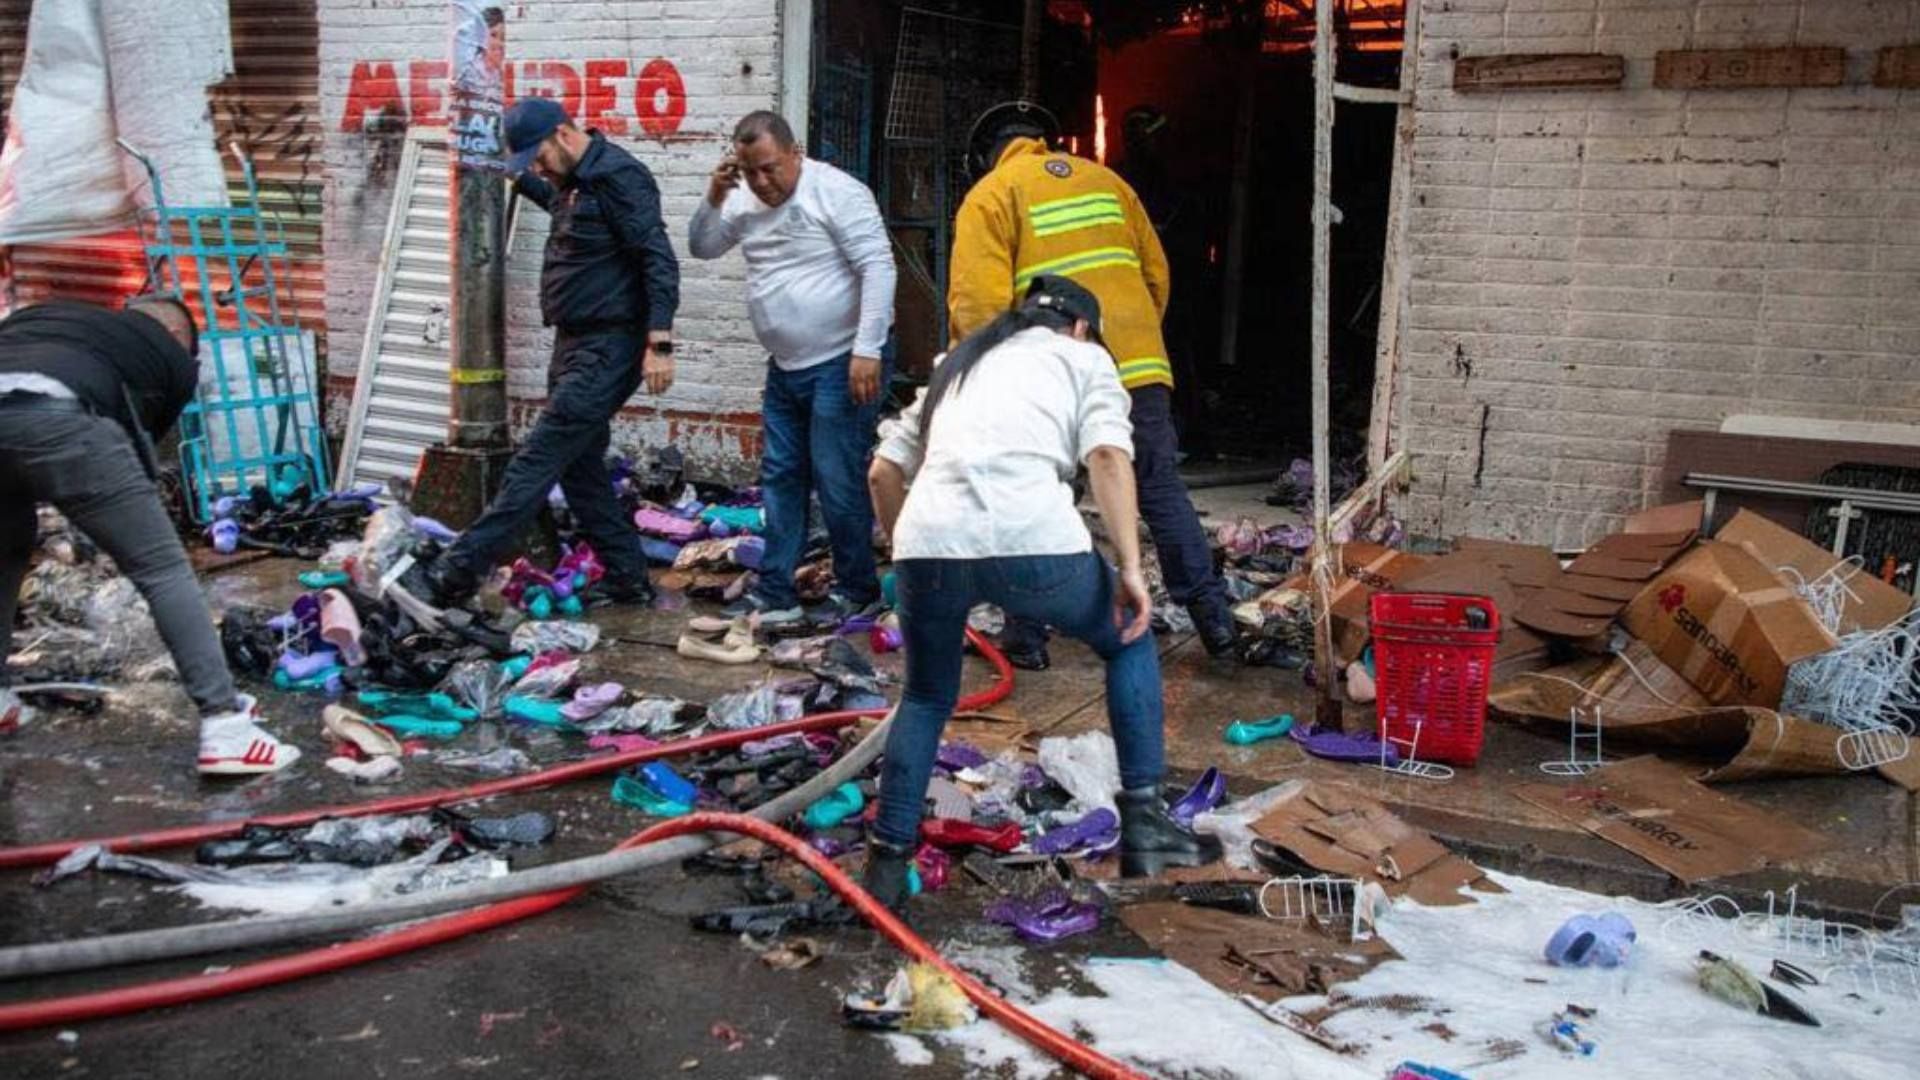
820	280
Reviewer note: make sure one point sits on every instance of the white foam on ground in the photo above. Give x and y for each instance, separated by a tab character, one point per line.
1474	964
1159	1017
909	1050
1653	1019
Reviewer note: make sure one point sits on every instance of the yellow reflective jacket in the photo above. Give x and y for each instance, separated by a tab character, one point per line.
1042	212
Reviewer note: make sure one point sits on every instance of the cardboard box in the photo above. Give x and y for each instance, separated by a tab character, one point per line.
1726	623
1874	603
1364	570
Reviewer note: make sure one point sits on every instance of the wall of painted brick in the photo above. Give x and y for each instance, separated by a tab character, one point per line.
665	77
1591	269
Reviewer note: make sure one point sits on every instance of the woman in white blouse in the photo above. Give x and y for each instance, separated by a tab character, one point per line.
990	449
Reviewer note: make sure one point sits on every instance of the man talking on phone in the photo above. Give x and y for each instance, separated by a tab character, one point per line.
609	287
820	281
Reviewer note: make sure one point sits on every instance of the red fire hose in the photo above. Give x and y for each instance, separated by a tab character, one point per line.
183	835
1077	1056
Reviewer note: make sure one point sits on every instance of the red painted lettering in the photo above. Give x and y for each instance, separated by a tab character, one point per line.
426	96
557	73
373	92
660	98
600	95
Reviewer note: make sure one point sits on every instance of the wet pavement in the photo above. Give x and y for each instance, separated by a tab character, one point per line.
616	980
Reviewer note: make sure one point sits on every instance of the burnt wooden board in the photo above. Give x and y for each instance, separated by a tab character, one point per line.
1742	69
1538	71
1898	68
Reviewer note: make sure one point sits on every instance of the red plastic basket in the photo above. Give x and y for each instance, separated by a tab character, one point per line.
1433	659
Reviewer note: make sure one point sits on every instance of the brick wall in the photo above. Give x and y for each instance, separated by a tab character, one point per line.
1591	269
382	62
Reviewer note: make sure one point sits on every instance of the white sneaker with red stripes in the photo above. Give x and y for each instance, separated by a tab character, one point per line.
231	744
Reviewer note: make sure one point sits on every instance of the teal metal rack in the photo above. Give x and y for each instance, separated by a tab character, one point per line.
254	421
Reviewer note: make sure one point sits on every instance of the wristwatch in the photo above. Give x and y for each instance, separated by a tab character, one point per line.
660	348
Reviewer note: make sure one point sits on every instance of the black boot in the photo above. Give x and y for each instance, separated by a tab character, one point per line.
439	581
886	874
1150	841
1218	634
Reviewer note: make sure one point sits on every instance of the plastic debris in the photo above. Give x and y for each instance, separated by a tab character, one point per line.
520	830
648	716
500	761
535	637
1604	940
480	685
750	708
1087	765
919	997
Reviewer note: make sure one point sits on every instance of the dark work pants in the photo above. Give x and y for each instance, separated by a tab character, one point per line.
1186	556
591	376
86	467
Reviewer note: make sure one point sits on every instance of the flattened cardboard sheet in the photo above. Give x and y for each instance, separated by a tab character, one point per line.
1654	809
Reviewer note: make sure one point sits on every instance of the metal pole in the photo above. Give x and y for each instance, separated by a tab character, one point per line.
479	236
1326	710
1030	49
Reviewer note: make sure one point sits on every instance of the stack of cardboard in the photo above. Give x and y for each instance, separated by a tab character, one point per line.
1581	602
1712	637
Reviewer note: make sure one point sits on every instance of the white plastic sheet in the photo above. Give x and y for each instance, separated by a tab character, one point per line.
60	170
96	70
162	58
1087	765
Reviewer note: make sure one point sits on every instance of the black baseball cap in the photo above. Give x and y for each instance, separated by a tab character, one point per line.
527	124
1069	298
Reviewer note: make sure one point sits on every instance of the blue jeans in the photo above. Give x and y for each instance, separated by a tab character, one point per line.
1072	592
1186	555
817	442
591	376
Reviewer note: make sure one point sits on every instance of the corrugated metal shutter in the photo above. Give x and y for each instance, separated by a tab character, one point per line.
270	107
401	395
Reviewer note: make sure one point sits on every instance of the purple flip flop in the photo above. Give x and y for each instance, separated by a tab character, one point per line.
1340	746
1045	919
590	701
1098	829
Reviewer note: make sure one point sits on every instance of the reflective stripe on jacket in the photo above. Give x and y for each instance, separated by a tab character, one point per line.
1042	212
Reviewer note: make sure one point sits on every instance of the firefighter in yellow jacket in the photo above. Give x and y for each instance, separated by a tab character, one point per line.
1034	210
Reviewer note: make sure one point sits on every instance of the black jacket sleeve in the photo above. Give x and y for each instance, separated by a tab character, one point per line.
631	201
535	189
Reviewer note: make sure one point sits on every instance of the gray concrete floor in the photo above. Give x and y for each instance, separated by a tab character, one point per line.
615	980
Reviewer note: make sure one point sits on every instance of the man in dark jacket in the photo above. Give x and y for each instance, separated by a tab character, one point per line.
83	393
609	287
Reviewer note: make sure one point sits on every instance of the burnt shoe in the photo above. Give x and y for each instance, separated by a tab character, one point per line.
885	877
1151	841
439	581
